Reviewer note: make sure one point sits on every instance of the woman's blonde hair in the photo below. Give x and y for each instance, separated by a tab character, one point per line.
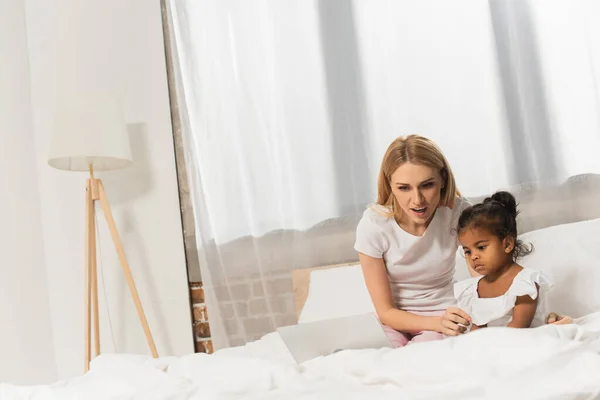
417	150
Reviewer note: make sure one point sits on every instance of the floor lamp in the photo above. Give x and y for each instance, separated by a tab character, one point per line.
95	139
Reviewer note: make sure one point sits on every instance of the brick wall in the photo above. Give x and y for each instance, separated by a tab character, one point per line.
203	342
250	307
255	305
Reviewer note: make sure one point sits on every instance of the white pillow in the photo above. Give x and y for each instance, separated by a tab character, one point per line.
335	293
569	255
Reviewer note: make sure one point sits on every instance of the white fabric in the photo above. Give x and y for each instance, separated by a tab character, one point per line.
551	362
570	256
90	130
269	96
288	107
420	268
498	311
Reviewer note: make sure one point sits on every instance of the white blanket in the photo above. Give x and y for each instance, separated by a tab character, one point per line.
550	362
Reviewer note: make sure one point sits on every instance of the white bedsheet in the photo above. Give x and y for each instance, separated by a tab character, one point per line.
550	362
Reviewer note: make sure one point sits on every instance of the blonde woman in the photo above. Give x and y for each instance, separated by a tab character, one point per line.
407	248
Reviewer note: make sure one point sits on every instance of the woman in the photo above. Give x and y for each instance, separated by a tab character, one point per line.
406	246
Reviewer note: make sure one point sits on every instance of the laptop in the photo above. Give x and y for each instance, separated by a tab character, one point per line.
313	339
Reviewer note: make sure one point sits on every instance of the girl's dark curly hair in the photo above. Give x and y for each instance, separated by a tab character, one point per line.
498	215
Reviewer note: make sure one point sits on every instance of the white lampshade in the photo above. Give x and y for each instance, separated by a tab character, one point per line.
92	131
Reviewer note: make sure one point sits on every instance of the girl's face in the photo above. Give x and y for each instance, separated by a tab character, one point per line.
417	189
485	252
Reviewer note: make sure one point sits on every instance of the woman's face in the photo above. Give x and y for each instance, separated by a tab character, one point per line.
417	189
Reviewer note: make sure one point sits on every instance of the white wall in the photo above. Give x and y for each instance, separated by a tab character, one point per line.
26	351
78	47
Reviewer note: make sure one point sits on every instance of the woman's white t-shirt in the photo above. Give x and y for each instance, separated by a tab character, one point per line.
420	268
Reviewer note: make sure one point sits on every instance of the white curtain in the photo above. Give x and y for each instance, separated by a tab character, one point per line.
288	106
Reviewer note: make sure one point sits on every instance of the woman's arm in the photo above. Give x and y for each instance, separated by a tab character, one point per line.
378	285
523	312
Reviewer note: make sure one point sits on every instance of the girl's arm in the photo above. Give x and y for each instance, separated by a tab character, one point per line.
378	285
523	312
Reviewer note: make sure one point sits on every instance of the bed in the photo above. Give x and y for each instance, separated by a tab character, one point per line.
550	362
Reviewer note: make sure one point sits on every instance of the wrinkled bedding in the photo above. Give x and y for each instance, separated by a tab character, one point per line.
550	362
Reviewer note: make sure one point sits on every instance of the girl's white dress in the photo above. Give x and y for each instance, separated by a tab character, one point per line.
497	311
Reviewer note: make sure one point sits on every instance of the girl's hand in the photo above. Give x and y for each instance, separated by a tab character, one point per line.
554	318
448	324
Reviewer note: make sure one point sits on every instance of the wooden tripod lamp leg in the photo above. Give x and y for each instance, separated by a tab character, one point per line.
124	264
94	269
88	273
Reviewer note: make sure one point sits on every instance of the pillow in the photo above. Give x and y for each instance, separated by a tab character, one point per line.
335	293
570	256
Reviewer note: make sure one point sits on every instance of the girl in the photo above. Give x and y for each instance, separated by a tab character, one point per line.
407	247
505	294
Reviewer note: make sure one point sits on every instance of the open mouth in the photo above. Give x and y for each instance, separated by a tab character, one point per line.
420	212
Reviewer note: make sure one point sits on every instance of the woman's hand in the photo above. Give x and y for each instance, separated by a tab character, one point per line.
448	324
554	318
